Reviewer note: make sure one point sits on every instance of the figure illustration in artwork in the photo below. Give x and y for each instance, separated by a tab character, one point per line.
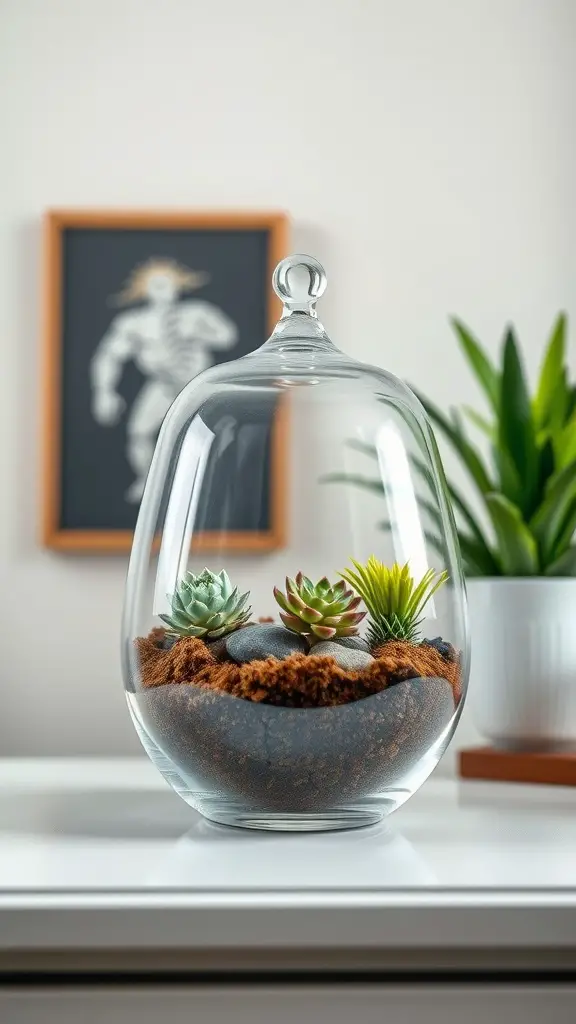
170	339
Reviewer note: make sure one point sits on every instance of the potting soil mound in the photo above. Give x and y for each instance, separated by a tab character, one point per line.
299	681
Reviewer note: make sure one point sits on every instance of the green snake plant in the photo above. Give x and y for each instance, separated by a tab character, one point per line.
395	601
523	520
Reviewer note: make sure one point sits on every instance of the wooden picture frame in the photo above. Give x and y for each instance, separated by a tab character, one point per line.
265	237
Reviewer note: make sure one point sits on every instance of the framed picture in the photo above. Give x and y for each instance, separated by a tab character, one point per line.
135	305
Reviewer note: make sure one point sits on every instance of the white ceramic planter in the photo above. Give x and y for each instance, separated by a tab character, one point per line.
523	678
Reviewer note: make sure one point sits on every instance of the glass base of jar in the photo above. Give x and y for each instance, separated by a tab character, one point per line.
322	821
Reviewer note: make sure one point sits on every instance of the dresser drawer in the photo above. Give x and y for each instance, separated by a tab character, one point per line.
283	1004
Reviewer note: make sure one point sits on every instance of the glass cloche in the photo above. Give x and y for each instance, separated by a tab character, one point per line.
295	651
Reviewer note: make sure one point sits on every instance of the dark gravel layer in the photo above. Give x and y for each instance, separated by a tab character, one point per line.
295	760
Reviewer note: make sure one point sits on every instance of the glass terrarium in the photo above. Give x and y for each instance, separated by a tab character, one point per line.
295	650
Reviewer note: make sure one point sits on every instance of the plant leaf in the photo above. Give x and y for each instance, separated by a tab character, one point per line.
510	484
516	426
375	484
565	565
550	373
565	443
486	373
517	548
547	522
433	511
478	556
463	509
546	466
361	446
422	593
565	535
469	455
293	622
558	414
479	421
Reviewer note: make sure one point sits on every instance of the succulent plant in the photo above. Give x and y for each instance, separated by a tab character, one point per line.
395	602
320	611
206	606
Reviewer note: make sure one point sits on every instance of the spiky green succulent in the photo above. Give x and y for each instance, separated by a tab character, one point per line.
394	600
320	611
206	606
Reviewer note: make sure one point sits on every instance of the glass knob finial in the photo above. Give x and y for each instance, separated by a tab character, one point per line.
299	280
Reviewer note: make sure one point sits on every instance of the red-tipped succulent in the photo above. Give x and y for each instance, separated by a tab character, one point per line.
320	611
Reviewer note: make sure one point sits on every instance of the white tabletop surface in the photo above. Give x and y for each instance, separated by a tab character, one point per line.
103	852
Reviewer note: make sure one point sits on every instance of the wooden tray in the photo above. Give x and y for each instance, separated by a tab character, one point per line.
558	769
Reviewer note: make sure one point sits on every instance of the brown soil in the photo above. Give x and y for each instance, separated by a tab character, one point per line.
409	661
300	681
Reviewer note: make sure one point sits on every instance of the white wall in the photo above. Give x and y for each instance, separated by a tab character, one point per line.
425	150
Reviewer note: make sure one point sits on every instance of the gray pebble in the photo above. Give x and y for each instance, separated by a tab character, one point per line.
354	643
264	640
346	657
218	648
445	650
168	642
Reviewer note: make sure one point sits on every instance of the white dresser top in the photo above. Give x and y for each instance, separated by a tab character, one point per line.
101	854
